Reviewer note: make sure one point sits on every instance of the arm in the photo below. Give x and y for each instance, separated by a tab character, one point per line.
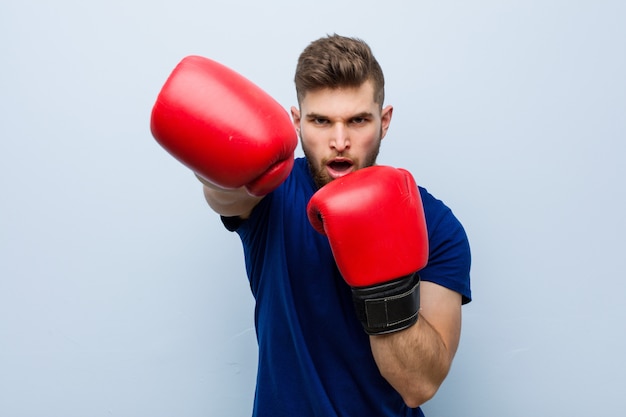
378	245
229	202
415	361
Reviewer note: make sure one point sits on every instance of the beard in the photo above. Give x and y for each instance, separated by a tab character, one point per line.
318	168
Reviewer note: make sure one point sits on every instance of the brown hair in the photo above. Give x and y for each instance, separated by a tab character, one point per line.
337	61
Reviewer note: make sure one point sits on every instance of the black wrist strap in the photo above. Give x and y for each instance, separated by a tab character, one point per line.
388	307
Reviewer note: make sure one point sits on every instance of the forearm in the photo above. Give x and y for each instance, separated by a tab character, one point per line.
414	361
235	202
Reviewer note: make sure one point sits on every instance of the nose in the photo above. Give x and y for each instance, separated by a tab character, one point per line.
340	140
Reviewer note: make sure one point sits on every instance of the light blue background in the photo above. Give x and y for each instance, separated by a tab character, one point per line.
122	295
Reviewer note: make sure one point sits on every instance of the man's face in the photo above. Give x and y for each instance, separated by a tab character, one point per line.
340	130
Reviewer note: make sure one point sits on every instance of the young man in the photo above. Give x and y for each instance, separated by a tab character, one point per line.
358	275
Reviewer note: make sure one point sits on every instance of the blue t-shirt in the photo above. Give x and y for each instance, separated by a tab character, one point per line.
314	356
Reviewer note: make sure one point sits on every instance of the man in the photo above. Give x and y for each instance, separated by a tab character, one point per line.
358	276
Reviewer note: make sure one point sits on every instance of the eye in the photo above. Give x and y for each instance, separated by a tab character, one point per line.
359	120
319	121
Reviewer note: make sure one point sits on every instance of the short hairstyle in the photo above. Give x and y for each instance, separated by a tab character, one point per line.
336	61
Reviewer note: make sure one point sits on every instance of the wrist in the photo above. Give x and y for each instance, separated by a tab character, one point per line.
388	307
213	187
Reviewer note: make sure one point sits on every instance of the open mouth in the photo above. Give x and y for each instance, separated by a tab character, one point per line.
339	167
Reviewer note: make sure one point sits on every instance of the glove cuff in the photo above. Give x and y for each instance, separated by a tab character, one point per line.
388	307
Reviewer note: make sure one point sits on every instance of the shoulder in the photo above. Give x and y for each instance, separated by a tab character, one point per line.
449	257
439	217
433	207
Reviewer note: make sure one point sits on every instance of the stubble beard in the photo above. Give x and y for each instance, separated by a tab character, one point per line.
318	170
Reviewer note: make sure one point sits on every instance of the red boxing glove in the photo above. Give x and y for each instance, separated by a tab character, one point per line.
223	127
375	224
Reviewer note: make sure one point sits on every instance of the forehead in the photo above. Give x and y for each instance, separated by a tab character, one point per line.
340	101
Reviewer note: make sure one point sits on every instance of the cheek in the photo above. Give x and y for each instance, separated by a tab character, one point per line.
310	142
371	139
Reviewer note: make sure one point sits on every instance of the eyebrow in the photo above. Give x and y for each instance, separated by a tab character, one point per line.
364	114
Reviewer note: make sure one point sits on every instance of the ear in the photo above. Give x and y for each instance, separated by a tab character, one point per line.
295	116
385	119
